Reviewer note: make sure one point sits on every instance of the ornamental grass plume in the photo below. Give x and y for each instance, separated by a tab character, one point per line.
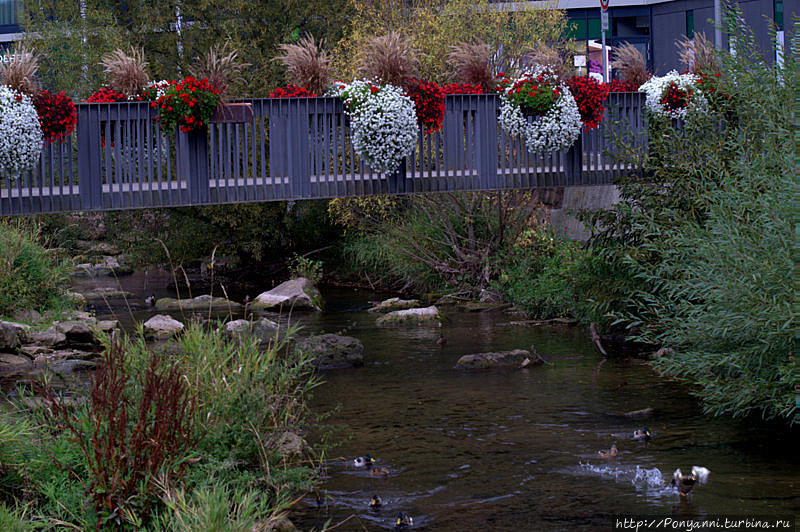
472	64
390	58
127	73
630	64
220	67
20	73
698	55
307	64
548	57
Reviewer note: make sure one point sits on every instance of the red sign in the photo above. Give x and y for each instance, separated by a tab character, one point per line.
604	4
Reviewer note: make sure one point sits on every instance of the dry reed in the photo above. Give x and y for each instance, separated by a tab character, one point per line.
630	64
126	73
220	67
20	73
472	64
698	54
307	64
390	58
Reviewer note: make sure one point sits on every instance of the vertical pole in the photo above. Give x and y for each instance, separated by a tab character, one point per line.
603	28
90	184
718	25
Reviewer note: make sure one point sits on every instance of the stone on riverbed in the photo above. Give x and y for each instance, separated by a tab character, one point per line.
331	351
411	316
500	359
262	329
204	302
107	266
293	294
395	303
11	334
48	338
162	326
9	361
105	292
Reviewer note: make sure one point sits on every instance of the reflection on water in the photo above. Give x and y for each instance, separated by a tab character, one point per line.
517	449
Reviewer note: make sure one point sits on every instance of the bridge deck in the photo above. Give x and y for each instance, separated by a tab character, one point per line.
294	149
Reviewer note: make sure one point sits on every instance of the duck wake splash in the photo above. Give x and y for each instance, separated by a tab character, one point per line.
642	479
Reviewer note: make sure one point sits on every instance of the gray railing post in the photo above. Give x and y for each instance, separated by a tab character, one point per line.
573	165
486	141
192	159
90	183
299	168
397	180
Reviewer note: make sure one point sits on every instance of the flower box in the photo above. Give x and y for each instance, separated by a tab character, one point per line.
233	113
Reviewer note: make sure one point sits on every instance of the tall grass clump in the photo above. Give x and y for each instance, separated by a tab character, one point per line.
699	255
390	58
472	64
307	64
127	73
630	64
20	72
193	438
31	276
222	68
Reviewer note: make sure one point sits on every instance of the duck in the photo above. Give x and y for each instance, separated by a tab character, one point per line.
364	461
685	483
642	434
442	340
375	502
151	300
379	472
611	453
403	521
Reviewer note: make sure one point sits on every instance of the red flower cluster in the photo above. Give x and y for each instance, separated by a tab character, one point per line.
535	95
463	88
428	98
618	85
107	95
675	97
291	91
589	94
187	105
57	114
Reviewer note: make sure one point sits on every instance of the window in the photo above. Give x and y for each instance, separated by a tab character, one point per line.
8	12
690	24
779	14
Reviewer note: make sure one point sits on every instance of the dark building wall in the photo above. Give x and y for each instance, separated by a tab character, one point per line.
669	24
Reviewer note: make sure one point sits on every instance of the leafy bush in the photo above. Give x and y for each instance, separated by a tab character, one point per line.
304	267
31	277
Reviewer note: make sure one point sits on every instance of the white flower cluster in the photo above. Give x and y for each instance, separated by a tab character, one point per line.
656	87
160	87
557	129
383	122
20	133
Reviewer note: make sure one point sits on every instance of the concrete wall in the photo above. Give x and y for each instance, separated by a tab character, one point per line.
576	199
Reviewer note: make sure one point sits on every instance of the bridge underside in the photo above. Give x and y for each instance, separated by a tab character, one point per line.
294	150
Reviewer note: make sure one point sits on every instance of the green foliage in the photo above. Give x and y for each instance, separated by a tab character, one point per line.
31	276
304	267
213	508
539	274
14	520
699	255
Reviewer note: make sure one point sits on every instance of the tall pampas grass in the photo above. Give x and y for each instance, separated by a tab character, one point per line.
698	54
221	67
390	58
20	74
472	64
127	73
630	64
307	64
547	56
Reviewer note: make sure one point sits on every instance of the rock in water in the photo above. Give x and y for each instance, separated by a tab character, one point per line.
162	326
411	316
293	294
395	303
330	351
204	302
11	334
499	359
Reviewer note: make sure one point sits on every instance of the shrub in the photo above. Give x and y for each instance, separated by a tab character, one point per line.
304	267
31	277
57	115
187	105
428	101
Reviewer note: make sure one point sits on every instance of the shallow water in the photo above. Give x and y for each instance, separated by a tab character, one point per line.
515	449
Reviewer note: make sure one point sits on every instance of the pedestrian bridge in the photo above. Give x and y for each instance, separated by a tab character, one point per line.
295	149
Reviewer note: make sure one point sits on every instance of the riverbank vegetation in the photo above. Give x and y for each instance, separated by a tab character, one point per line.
203	435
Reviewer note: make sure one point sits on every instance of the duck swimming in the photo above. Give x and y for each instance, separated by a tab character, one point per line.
611	453
379	472
685	483
150	300
364	461
642	434
403	521
375	502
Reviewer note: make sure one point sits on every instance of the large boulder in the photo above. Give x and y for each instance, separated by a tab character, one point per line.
501	359
293	294
106	266
11	361
395	303
411	316
162	326
204	302
50	337
77	331
11	334
105	292
330	351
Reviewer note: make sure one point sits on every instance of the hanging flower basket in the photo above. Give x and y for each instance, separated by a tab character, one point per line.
57	115
382	120
540	109
674	96
187	105
20	133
